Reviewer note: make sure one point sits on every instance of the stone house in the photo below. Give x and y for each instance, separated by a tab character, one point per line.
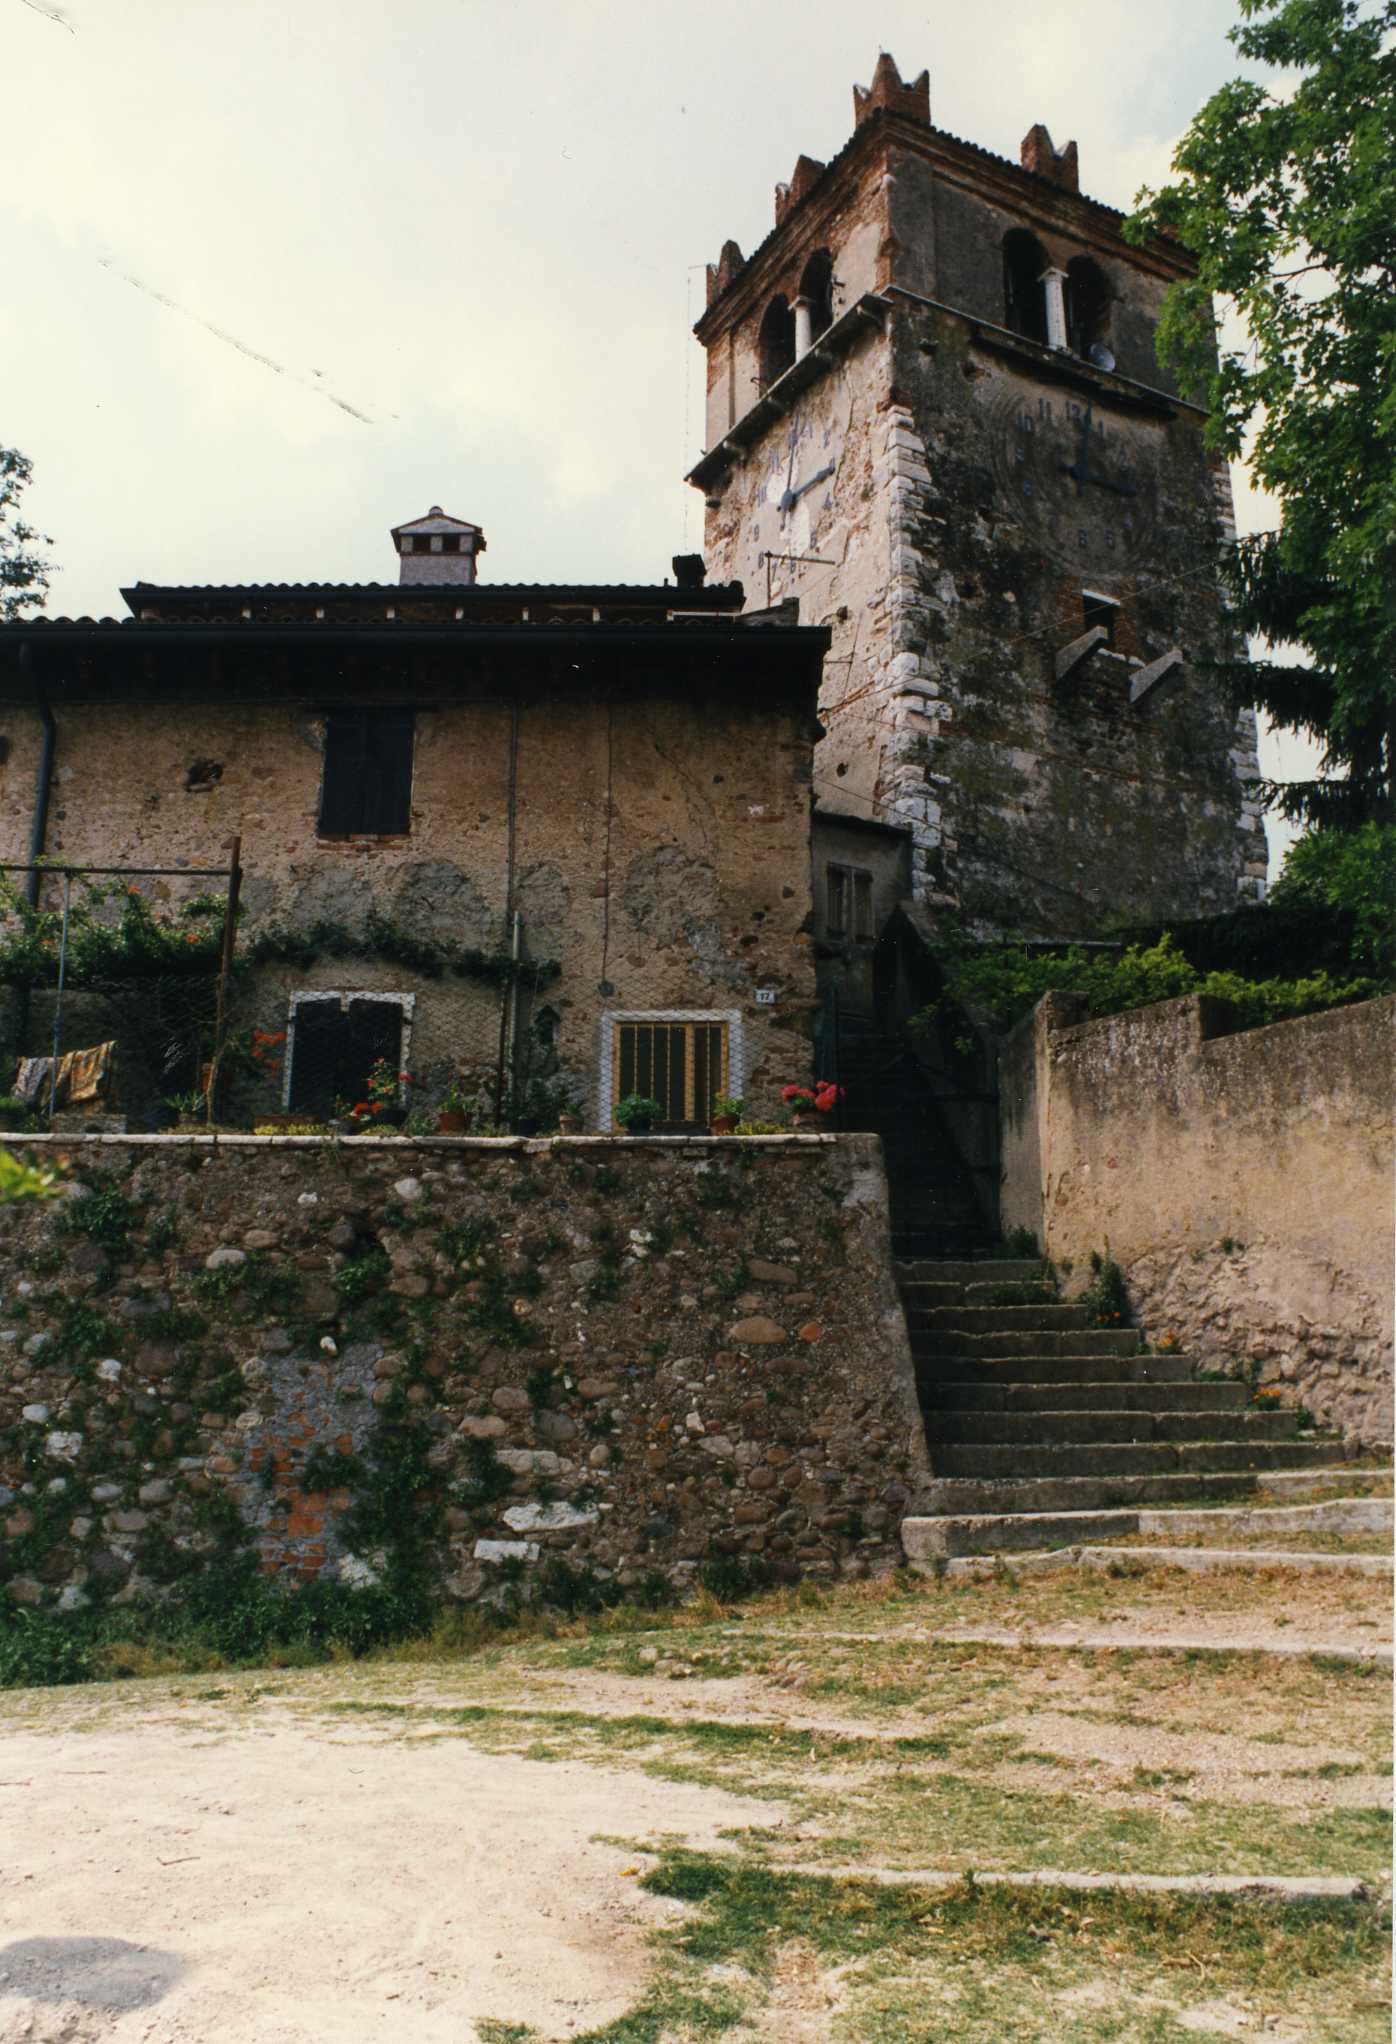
937	424
558	831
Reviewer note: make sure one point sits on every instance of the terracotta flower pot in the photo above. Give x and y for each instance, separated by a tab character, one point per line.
722	1124
451	1121
569	1124
807	1123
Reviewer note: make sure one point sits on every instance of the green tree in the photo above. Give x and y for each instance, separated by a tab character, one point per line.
23	568
1286	198
1353	871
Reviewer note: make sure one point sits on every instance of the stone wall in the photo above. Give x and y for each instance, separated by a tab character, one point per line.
915	490
1242	1180
630	1356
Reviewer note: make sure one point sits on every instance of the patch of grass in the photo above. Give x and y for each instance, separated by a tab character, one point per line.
978	1964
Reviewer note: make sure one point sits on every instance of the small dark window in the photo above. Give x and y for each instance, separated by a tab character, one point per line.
422	543
335	1045
1024	302
450	542
776	343
366	783
849	898
1099	610
817	285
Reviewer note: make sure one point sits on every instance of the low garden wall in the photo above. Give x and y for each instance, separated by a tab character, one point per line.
597	1361
1240	1178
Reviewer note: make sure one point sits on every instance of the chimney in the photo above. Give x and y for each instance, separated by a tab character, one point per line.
437	548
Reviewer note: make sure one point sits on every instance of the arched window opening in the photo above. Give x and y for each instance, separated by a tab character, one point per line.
817	290
1024	304
1087	306
776	344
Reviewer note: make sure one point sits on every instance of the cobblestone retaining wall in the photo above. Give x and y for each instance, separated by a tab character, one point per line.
632	1356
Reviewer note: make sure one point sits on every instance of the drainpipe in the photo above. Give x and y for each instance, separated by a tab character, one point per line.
38	834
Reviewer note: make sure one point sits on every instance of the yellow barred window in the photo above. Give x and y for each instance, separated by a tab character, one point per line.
682	1065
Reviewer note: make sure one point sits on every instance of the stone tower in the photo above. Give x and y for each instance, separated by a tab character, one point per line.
935	418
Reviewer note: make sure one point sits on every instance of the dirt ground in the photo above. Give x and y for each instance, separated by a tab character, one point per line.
423	1850
318	1887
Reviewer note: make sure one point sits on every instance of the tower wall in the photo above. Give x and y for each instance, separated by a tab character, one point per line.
966	504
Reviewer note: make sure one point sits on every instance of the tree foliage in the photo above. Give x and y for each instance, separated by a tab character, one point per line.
23	567
1352	872
1286	197
1001	983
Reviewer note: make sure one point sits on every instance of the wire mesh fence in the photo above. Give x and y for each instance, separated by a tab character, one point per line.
114	990
133	993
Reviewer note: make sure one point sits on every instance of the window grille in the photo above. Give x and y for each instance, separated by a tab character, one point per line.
850	902
682	1065
366	780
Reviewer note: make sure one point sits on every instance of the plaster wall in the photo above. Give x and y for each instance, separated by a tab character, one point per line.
1241	1180
660	849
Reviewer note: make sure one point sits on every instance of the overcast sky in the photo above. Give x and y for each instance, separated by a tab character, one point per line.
280	274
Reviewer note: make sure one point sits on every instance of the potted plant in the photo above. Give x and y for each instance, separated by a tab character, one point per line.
569	1122
457	1110
382	1108
638	1113
726	1113
191	1109
808	1104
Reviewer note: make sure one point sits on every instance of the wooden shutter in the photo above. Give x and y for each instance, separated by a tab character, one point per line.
374	1031
366	783
388	773
317	1053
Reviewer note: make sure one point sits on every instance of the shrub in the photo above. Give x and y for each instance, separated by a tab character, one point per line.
1005	982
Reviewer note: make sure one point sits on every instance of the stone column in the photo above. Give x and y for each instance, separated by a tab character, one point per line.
1054	292
803	327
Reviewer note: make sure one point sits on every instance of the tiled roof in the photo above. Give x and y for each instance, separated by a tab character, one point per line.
715	595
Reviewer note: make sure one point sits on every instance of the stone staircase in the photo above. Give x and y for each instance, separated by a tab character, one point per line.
1034	1413
934	1208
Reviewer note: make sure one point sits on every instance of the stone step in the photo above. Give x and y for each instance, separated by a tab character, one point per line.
966	1429
1127	1458
1022	1292
938	1539
961	1496
934	1371
980	1320
991	1271
1037	1343
959	1394
919	1294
